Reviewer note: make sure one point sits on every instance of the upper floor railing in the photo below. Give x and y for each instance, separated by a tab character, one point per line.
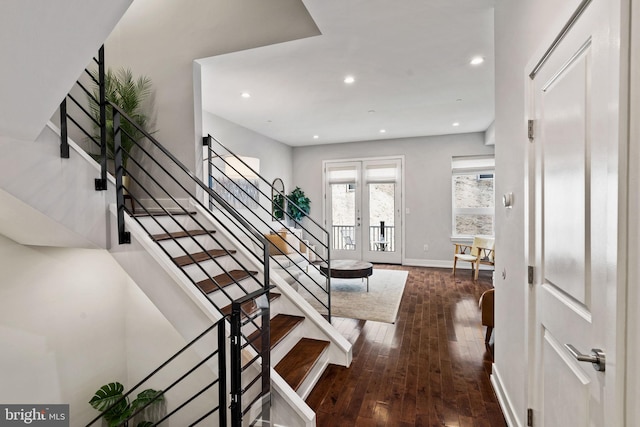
270	210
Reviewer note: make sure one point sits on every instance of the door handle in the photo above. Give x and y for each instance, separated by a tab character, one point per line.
597	357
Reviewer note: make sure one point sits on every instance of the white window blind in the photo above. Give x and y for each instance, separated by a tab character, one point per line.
469	164
382	173
341	174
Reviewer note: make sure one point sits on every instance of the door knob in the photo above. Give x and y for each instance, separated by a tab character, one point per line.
597	357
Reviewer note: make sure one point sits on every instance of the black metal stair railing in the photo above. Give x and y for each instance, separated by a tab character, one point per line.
89	120
159	184
247	193
206	403
242	314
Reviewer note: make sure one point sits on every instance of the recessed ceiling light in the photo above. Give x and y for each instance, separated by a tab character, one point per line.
371	111
455	124
316	136
459	100
383	131
477	60
349	79
245	95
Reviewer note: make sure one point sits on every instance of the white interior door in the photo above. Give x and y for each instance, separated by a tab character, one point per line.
574	164
364	209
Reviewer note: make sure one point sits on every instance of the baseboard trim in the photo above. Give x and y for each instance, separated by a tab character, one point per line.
168	204
438	263
503	399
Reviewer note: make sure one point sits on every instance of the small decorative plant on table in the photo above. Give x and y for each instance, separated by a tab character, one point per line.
300	206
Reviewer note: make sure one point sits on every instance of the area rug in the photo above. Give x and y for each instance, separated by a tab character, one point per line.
349	297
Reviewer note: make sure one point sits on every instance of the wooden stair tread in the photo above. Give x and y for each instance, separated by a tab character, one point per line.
248	307
181	261
224	279
297	364
179	234
162	213
281	325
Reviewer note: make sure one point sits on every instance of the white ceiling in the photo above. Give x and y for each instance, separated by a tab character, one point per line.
410	59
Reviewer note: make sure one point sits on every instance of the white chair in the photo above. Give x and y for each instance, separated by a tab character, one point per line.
348	242
480	252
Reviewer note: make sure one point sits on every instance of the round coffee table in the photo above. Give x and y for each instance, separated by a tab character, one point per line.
348	269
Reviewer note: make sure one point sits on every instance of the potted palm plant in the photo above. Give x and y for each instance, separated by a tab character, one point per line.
130	94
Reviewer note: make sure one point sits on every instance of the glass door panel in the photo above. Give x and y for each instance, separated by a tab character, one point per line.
363	209
381	217
343	209
381	206
343	214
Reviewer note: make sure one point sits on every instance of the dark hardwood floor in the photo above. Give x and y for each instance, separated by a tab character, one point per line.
430	368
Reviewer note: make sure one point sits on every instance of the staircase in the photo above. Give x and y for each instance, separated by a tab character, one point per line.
199	260
189	259
301	342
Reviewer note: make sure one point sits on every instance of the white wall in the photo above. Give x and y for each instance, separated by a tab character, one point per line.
427	183
150	341
62	325
40	184
275	157
521	29
71	320
161	39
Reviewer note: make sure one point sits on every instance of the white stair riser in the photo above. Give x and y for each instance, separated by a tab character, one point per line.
313	376
232	292
210	267
287	343
188	245
157	224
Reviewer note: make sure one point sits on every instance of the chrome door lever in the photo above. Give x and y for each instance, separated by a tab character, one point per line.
597	357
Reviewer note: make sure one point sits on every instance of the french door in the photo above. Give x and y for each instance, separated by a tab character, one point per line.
363	209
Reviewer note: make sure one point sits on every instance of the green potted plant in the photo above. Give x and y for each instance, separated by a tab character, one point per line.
301	204
278	207
130	95
117	415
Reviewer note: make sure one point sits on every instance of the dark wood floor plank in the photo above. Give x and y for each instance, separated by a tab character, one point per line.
430	368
